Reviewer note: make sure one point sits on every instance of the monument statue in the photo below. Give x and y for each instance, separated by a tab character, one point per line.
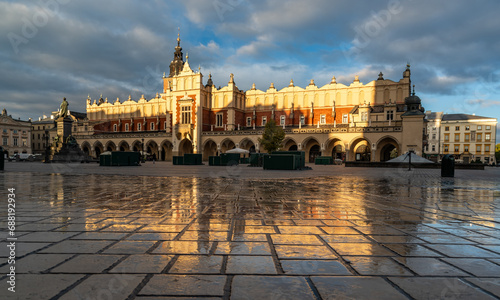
64	109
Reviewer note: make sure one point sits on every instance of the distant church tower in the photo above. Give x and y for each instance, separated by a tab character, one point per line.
178	63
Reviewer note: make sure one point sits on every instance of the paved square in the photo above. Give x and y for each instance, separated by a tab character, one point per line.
87	232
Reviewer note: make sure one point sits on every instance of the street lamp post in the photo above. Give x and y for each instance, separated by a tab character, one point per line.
46	146
142	154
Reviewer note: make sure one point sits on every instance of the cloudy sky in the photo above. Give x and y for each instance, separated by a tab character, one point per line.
72	48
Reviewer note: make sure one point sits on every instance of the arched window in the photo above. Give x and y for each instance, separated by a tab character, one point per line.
139	127
115	127
126	127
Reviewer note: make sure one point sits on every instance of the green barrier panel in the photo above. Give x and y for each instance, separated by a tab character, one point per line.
214	161
105	160
192	159
302	155
255	159
125	158
280	162
323	160
244	160
229	159
178	160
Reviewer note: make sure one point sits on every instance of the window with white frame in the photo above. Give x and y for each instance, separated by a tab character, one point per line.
264	121
186	114
282	120
302	120
5	141
126	127
219	121
115	128
486	148
345	118
15	142
433	148
322	119
152	126
25	142
139	127
487	137
249	121
488	127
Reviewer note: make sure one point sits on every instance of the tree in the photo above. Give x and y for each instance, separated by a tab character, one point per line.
272	137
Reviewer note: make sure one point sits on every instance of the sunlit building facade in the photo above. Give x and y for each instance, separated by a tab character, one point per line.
353	122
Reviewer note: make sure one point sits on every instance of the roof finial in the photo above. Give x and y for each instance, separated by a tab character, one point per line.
179	37
413	90
187	56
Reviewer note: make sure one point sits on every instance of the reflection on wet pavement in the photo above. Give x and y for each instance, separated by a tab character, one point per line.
306	238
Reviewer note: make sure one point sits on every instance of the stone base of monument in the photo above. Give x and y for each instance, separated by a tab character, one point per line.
67	153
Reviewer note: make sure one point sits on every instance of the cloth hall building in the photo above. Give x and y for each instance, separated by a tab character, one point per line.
353	122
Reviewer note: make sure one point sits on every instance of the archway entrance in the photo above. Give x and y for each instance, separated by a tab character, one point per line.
314	152
185	147
362	153
166	151
152	150
227	145
98	148
388	149
110	146
338	153
123	146
210	149
290	145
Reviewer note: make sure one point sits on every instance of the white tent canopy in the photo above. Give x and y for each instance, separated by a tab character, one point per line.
415	159
238	150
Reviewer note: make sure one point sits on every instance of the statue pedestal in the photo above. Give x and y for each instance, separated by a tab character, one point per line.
64	128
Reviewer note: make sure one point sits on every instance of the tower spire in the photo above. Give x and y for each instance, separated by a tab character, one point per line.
178	62
178	37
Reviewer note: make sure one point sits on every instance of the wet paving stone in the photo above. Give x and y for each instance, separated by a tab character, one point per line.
243	248
87	264
37	263
475	266
197	264
183	247
77	246
38	286
185	285
439	288
376	266
154	236
304	252
361	249
430	267
355	288
314	267
250	265
266	287
463	251
310	237
99	236
491	285
412	250
204	236
105	286
130	247
293	239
